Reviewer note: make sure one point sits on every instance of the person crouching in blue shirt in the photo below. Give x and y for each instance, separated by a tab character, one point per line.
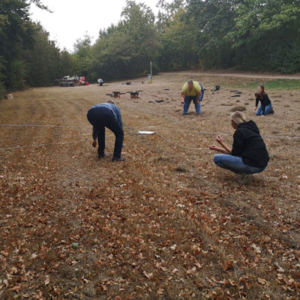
107	115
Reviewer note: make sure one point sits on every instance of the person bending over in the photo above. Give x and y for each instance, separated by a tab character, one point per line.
100	81
107	115
192	91
248	154
266	105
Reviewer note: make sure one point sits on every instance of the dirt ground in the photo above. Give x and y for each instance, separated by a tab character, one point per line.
167	223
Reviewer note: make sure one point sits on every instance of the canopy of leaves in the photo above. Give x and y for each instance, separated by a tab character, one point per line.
125	50
266	35
27	55
260	35
249	35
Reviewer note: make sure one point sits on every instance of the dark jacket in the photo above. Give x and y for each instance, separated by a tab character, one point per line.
249	145
116	112
265	101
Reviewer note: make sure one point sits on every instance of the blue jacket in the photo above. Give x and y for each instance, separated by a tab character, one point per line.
115	110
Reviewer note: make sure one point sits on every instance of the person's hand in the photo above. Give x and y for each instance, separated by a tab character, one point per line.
219	140
182	103
214	148
255	108
94	144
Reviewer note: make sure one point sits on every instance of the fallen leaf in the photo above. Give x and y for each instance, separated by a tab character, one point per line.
262	281
47	281
228	265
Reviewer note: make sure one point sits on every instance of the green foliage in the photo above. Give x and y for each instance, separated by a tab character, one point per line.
15	33
179	49
266	35
124	50
82	47
27	55
82	55
258	35
16	74
2	88
42	61
255	19
40	5
209	23
69	64
249	35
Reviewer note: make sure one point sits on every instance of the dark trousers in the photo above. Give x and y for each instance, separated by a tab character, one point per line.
101	117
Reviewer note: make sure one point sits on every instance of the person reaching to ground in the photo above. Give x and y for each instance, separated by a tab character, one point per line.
266	105
100	81
248	154
107	115
192	91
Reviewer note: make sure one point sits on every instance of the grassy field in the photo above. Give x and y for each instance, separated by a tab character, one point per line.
167	223
278	84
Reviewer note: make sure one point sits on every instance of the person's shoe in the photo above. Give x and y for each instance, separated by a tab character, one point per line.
101	155
118	159
244	179
272	111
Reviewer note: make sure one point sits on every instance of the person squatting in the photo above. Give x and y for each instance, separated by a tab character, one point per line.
248	154
192	91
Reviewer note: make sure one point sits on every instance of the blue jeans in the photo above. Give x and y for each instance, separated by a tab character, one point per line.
235	164
260	110
187	103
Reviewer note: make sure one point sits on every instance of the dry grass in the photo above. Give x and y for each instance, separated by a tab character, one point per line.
166	224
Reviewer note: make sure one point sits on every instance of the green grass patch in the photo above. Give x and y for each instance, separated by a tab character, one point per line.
278	84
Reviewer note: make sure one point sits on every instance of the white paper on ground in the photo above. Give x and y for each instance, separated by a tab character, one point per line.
146	132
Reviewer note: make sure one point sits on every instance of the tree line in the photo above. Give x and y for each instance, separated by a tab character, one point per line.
27	56
256	35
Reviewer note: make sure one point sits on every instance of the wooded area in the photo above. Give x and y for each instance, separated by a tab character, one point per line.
252	35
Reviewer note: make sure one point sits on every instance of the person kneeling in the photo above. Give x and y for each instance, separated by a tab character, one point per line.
248	154
266	104
100	81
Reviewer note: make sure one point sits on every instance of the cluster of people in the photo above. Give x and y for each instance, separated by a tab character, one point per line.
247	156
83	81
194	91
